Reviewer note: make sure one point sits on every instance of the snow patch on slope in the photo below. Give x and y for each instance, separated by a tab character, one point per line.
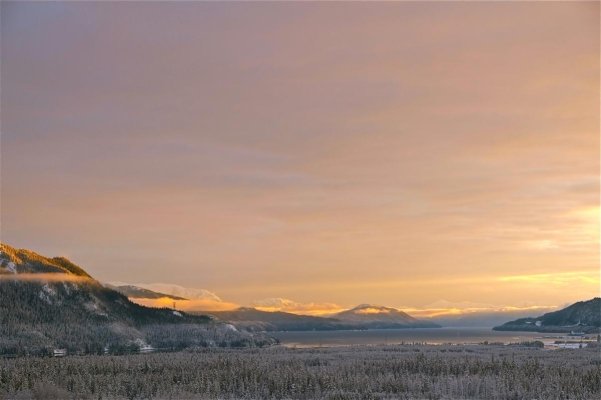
47	293
12	267
95	307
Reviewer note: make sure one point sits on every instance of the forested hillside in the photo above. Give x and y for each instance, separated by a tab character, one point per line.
581	316
51	303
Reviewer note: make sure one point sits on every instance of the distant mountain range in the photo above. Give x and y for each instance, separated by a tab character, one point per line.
254	320
367	316
48	303
364	316
583	316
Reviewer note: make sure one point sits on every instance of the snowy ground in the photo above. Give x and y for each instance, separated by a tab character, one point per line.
355	372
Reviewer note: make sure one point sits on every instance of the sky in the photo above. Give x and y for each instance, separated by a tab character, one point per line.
308	156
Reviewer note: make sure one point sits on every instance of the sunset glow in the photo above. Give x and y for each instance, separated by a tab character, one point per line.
309	157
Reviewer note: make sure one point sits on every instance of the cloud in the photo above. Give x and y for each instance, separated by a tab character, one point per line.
405	153
559	279
441	308
445	308
187	305
291	306
370	310
45	277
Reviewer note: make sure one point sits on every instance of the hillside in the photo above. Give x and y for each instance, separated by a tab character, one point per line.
48	303
582	316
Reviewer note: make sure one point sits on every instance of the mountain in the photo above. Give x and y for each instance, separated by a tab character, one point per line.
141	293
21	261
48	303
379	317
582	316
360	317
371	313
255	320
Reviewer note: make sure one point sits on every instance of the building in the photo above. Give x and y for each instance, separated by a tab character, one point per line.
59	352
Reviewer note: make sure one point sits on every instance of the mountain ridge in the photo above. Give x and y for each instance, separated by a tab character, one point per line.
18	261
582	316
256	320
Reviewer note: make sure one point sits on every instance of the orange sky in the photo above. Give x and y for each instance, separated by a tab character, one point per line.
309	156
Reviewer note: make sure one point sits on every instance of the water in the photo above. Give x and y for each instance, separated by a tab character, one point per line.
407	336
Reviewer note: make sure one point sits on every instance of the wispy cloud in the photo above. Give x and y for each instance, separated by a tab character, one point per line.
44	277
187	305
559	278
307	151
291	306
472	311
